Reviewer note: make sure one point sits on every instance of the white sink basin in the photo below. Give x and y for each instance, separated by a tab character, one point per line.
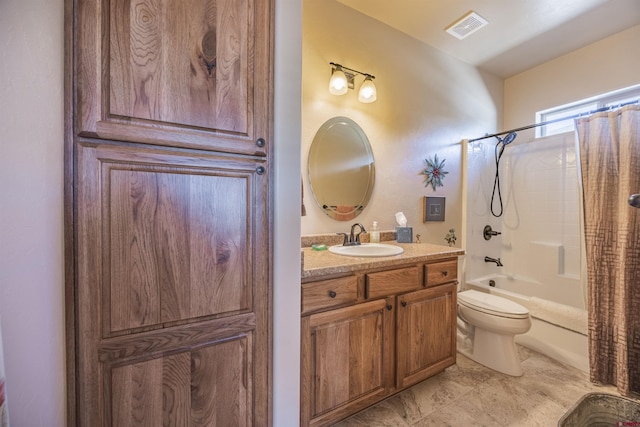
367	250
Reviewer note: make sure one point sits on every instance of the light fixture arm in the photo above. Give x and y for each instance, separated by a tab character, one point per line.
342	67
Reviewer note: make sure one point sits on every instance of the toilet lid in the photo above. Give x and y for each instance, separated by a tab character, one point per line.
492	304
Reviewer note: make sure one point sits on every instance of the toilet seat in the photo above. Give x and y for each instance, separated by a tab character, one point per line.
492	304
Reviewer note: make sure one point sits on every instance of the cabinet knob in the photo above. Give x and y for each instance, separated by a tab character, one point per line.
389	307
404	303
445	273
260	170
260	142
332	294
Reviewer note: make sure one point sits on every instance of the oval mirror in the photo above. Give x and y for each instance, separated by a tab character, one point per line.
341	168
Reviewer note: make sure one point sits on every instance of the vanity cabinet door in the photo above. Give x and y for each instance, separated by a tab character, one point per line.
426	333
347	361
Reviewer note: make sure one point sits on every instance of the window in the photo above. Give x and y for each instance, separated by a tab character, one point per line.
611	99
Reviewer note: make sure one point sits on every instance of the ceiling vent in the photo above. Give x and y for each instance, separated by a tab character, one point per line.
467	25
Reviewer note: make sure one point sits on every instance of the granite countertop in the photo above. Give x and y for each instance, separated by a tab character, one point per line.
323	263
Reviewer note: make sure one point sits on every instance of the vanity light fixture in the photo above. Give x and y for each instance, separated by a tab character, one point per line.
343	79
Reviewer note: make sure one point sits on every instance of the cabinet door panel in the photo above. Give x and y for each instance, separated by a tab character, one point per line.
177	240
426	337
351	354
199	387
172	260
191	73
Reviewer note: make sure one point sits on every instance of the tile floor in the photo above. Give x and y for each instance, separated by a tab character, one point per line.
469	394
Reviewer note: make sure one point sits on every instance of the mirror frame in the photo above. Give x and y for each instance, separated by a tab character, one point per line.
326	137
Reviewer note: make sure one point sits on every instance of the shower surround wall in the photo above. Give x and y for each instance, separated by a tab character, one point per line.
540	225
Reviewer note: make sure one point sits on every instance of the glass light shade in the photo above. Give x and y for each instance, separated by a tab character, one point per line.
367	91
338	84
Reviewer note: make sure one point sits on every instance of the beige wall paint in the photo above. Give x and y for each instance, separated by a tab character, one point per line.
427	103
31	206
31	209
286	267
598	68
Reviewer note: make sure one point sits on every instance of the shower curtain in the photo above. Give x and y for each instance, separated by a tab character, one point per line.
609	146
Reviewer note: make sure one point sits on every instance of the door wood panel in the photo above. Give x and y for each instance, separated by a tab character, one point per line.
177	244
426	333
168	211
193	388
166	271
190	73
351	352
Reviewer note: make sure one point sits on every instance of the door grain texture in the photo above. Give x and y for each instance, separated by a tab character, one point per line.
349	360
169	147
426	333
190	73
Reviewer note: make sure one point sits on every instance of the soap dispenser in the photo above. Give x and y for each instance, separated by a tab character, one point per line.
374	234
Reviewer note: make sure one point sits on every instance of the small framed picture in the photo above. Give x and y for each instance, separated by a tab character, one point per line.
434	208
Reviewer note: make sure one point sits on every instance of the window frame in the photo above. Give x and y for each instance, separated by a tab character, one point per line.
610	99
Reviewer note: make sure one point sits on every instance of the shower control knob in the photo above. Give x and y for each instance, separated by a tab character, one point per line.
488	232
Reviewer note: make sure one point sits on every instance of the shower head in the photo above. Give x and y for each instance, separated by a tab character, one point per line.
508	139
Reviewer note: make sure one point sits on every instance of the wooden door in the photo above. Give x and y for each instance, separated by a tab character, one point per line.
188	73
347	360
426	333
172	288
168	145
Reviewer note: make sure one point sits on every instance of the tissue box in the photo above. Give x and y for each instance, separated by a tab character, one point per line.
404	234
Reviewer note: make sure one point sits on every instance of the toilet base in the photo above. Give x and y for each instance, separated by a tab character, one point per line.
494	351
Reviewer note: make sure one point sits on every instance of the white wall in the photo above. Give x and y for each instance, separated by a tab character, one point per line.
31	206
288	65
540	223
31	211
427	103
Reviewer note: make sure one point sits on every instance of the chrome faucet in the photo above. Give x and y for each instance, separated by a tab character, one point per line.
496	260
353	239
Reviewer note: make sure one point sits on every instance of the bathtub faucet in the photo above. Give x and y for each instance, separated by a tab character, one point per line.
496	260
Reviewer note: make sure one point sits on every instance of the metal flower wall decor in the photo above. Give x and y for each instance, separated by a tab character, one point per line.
434	172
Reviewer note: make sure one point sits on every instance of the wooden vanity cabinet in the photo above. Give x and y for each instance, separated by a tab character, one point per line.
369	335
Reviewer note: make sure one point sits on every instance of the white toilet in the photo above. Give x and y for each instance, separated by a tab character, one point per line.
487	326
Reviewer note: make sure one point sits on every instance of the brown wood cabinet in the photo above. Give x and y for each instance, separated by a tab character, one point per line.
168	212
398	330
425	333
349	352
192	74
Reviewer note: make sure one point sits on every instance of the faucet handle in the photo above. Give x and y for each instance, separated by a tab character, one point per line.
345	241
488	232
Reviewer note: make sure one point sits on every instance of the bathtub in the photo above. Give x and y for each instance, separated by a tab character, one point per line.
559	327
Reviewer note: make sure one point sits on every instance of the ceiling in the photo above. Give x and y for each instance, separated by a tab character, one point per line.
521	33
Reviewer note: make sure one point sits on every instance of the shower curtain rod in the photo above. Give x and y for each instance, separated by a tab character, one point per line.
561	119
